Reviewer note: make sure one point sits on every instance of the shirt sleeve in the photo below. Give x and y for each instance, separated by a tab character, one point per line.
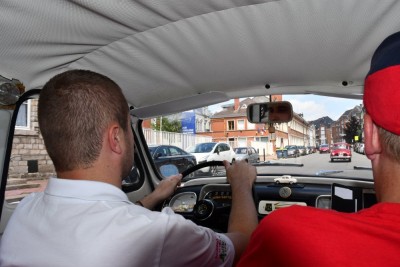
187	244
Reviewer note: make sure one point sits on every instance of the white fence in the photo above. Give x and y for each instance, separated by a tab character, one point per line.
154	137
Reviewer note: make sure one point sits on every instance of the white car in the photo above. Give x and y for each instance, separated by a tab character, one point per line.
285	179
212	151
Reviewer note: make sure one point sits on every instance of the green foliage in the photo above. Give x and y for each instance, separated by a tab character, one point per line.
353	128
164	124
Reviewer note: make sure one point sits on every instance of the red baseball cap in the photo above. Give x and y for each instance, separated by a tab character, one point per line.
382	85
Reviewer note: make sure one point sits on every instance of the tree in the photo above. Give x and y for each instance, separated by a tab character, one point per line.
353	128
166	125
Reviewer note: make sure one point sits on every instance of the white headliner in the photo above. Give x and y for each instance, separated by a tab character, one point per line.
167	52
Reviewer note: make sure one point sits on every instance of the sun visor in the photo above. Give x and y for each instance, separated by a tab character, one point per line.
180	105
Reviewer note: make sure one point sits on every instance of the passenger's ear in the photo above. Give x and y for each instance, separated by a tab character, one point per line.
114	138
371	138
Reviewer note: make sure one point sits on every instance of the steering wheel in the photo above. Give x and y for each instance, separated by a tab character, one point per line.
203	165
208	212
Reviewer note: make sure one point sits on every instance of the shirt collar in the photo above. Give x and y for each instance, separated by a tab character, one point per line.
84	189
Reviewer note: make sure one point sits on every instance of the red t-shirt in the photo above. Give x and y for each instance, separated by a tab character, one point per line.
306	236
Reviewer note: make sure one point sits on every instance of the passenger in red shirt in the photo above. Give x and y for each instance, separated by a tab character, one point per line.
306	236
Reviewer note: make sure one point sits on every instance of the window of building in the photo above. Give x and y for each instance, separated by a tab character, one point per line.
262	139
240	124
231	125
23	117
251	126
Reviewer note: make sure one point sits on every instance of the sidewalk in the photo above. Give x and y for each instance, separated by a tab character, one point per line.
17	194
269	157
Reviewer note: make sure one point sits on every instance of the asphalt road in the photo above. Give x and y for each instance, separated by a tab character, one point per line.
321	164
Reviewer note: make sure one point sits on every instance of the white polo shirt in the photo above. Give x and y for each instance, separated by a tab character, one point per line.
86	223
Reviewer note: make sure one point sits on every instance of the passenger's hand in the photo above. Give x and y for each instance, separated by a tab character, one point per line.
240	173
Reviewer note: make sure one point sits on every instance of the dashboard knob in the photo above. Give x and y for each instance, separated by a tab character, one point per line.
203	209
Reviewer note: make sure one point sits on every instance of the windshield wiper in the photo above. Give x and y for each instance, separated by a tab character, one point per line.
272	163
327	172
362	168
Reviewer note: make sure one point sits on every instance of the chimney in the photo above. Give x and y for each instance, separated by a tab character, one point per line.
237	104
276	98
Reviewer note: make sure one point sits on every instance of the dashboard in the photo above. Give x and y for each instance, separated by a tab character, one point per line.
209	204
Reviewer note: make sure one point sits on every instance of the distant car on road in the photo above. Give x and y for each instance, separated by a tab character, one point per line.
247	153
341	151
324	149
167	154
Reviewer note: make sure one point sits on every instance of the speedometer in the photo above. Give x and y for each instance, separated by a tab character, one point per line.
220	196
183	202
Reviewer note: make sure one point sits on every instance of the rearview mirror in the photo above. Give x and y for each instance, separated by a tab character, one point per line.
270	112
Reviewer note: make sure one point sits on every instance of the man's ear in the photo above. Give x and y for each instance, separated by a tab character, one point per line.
114	138
371	138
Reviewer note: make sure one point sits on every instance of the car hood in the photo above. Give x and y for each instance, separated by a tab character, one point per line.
171	56
200	156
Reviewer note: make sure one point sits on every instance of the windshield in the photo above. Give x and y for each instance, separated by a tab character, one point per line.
340	146
201	148
241	150
303	146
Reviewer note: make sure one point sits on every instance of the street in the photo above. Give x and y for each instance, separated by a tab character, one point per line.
320	163
315	164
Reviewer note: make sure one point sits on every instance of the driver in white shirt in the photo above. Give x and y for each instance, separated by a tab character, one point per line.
83	218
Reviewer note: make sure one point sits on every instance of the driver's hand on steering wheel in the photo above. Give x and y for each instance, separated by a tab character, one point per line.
240	173
168	186
164	190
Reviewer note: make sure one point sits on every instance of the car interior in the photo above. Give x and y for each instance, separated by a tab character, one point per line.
173	56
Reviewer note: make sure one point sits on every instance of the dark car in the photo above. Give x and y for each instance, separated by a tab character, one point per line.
167	154
292	151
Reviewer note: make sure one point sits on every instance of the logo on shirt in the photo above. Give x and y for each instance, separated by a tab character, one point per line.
220	249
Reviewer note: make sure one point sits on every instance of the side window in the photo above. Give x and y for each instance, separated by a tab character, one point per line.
175	151
218	149
163	150
30	166
226	147
23	118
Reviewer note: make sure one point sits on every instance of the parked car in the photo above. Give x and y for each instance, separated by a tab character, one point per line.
212	151
167	154
311	149
324	149
340	151
247	153
292	151
359	147
302	150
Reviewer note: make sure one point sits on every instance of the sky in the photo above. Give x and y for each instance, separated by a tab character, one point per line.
312	106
